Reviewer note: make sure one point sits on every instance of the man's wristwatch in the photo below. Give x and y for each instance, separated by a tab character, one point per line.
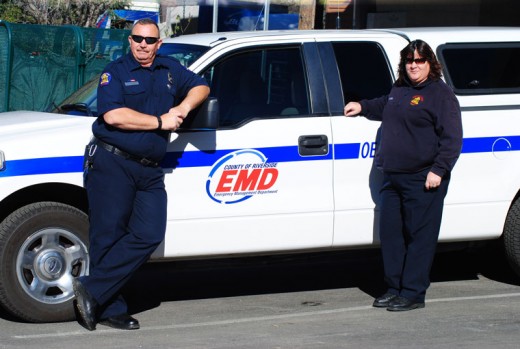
159	127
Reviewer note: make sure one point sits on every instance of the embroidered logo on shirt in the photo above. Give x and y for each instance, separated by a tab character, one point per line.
131	82
416	100
105	79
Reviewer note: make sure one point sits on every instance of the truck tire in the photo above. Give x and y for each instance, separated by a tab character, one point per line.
43	246
512	237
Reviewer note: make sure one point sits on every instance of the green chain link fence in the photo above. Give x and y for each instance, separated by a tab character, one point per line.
41	65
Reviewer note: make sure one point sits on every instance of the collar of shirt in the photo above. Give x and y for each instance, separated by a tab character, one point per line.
421	85
134	65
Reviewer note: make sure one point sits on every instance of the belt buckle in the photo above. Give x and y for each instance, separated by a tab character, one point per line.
146	162
92	149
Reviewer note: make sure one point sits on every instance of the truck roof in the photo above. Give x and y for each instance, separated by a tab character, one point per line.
432	35
213	39
436	36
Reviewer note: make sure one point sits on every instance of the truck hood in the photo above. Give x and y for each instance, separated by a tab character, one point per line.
28	134
29	120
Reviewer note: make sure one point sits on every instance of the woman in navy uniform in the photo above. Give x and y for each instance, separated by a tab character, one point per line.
421	139
142	97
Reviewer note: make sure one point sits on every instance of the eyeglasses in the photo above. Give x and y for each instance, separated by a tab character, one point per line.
416	60
149	39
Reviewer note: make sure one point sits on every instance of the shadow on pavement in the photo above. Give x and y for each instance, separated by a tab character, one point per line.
488	260
188	280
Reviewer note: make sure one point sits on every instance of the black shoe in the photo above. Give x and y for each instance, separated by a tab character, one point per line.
121	322
404	304
384	300
86	305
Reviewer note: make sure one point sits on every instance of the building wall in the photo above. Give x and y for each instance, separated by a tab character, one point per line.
500	12
412	13
393	13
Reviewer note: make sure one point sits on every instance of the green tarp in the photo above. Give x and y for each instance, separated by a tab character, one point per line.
41	65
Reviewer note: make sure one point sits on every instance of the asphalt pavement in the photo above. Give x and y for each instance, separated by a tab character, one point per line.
315	300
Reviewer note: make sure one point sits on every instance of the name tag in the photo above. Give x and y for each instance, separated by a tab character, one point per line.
131	83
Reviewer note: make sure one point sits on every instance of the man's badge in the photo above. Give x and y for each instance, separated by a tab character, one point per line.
105	79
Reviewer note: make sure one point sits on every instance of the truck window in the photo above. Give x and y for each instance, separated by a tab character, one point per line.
483	68
363	69
262	83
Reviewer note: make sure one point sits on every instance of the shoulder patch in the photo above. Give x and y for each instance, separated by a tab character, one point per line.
105	79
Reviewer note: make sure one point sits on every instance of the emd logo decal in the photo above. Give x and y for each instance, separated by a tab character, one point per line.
240	175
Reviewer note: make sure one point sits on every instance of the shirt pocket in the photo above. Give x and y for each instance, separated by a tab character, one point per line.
133	89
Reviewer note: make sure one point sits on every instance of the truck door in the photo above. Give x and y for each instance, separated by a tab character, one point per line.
263	180
364	73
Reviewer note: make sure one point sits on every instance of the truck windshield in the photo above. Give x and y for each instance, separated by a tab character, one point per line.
83	102
186	54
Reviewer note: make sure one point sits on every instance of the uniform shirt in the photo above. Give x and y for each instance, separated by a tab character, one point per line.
421	128
151	90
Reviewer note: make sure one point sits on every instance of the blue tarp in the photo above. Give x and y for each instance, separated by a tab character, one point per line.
245	16
104	21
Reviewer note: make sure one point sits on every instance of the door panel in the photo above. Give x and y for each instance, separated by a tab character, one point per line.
356	181
364	73
263	181
253	192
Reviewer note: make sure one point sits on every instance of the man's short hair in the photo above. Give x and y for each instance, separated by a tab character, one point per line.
146	21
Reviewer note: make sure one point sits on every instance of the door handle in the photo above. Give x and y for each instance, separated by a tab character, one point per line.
313	145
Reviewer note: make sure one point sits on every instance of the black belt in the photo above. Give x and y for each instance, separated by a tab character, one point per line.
124	154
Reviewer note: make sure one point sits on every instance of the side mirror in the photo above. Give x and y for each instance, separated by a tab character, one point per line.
81	109
203	118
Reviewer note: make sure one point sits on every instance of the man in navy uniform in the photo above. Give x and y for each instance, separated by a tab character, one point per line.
142	97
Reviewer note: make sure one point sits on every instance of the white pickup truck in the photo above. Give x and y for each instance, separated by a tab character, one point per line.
269	164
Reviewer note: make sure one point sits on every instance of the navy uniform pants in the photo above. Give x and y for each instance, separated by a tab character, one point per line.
409	229
127	203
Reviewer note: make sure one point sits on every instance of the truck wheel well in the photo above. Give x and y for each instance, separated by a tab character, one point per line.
517	197
65	193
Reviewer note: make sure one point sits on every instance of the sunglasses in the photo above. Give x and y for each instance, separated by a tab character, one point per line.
149	39
416	60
